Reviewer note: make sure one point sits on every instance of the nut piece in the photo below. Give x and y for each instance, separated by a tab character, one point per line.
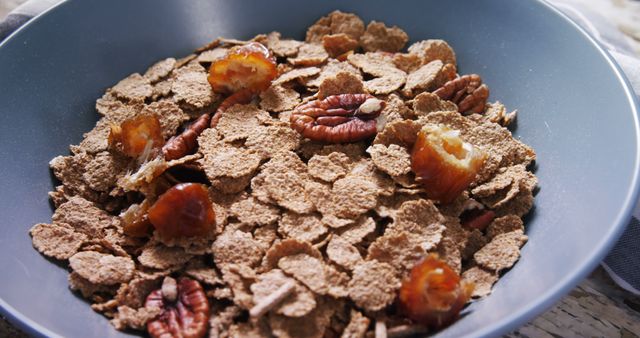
433	295
185	143
250	66
187	316
467	91
444	164
184	210
137	136
338	118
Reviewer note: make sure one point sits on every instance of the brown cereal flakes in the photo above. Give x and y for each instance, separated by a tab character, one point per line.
338	44
163	257
298	304
87	288
504	187
415	215
296	74
135	87
430	50
425	78
240	121
57	240
280	47
352	196
329	167
400	249
84	217
356	232
252	212
212	55
379	37
266	235
278	99
309	55
393	159
160	70
236	247
334	23
482	280
357	327
127	317
407	62
343	253
502	252
473	242
307	228
373	285
134	293
402	133
307	269
70	171
191	88
425	103
267	141
289	247
341	83
450	254
101	268
169	114
103	171
312	325
387	79
225	160
331	69
239	278
503	225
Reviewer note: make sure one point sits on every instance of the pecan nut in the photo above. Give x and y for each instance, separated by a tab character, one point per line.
467	91
187	316
185	143
338	118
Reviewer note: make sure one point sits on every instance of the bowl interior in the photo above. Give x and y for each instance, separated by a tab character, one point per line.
574	109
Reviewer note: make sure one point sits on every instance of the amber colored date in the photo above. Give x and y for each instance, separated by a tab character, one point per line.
135	220
250	67
444	164
137	135
182	211
433	294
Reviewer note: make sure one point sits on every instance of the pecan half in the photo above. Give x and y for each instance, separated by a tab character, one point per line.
185	143
338	118
467	91
187	316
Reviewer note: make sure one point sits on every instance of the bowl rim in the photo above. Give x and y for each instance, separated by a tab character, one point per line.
517	318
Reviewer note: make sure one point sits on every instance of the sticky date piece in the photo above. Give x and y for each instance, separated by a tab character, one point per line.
186	316
433	294
338	118
182	211
444	164
249	66
136	135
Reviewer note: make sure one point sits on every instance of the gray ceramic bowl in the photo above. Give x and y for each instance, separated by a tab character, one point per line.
575	109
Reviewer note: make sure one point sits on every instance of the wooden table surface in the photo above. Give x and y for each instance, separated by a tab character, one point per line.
595	308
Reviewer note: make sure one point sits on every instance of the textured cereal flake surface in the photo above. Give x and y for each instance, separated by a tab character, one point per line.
343	224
